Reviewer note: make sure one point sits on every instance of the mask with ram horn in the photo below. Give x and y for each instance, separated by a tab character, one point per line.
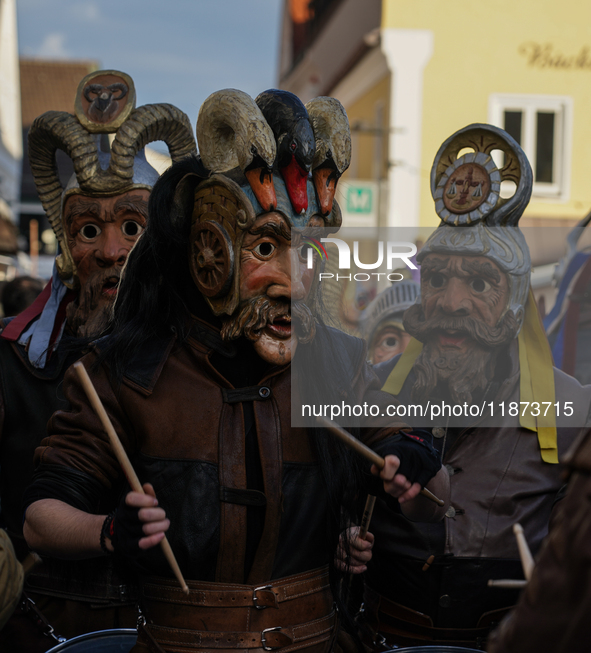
105	104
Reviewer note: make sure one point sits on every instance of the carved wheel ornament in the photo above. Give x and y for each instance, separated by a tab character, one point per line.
466	188
212	263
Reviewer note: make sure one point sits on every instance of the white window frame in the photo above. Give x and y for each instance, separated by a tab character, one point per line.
562	107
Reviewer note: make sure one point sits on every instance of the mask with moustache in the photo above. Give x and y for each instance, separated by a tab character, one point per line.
461	373
255	314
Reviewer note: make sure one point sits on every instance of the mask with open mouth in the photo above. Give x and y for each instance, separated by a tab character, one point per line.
463	326
268	324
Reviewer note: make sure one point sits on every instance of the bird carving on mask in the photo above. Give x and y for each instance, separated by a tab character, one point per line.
290	123
333	147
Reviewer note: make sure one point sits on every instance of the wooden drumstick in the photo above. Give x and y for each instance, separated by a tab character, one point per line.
509	583
527	561
366	517
364	526
365	451
124	461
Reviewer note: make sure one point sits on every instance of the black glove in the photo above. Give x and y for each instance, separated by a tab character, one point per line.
124	528
419	461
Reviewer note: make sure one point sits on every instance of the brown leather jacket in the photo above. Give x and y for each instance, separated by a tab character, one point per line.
553	612
183	426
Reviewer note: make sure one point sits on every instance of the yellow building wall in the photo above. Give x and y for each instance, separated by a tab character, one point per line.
481	48
363	113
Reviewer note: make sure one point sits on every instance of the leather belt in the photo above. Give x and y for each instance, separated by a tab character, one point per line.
404	626
227	595
268	639
291	613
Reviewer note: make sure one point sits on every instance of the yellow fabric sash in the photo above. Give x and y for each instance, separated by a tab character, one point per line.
536	379
402	369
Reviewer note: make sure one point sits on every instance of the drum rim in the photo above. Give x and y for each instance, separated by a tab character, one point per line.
434	648
101	633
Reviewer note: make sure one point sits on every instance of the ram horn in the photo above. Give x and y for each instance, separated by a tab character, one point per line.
148	123
52	131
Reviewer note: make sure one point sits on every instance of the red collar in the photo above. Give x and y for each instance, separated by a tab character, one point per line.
16	327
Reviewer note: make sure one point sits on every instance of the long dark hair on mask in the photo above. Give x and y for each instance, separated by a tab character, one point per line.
157	296
325	370
157	293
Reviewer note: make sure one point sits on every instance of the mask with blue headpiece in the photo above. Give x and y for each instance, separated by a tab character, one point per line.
104	104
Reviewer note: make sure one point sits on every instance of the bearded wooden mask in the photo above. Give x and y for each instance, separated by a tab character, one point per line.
105	103
242	144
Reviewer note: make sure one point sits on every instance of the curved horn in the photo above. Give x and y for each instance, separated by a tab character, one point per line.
49	132
148	123
231	129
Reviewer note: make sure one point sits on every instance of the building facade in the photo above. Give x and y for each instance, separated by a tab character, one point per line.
412	72
45	86
10	119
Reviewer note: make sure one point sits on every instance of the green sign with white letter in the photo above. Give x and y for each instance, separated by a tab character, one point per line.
359	199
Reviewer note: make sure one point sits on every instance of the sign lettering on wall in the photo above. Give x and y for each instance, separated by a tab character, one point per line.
547	56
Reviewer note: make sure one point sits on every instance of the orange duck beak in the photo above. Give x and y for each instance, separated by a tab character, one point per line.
261	182
325	183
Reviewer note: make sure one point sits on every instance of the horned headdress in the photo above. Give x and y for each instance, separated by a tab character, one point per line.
105	104
268	154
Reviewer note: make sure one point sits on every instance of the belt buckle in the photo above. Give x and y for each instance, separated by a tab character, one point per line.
380	641
263	638
255	600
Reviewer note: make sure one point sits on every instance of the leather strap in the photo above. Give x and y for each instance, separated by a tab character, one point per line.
251	393
268	429
232	474
269	639
230	595
289	613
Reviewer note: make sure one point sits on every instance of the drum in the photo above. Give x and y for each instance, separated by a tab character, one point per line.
117	640
434	649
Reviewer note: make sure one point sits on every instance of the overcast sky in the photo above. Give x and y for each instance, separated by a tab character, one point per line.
176	51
